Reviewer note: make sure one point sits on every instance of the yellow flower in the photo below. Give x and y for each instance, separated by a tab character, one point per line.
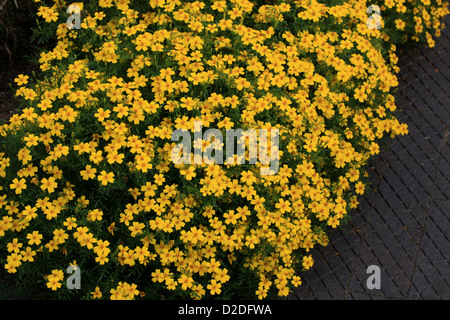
49	14
95	214
82	148
70	223
29	114
49	184
158	276
14	246
359	187
28	254
283	206
53	282
18	185
68	114
352	175
101	114
360	95
333	221
374	148
102	258
213	266
159	179
296	281
88	172
21	79
307	262
31	140
111	228
185	281
115	157
188	172
143	162
14	261
222	276
248	177
122	111
102	247
214	287
136	228
60	236
400	24
96	157
51	246
97	294
116	294
34	238
51	211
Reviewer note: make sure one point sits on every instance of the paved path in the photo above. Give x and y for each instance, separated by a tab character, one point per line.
403	224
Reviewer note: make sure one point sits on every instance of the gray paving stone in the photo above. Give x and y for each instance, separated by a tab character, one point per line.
422	288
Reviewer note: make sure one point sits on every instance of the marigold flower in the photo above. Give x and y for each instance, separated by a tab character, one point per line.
34	238
214	287
21	79
105	177
307	262
18	185
49	184
96	294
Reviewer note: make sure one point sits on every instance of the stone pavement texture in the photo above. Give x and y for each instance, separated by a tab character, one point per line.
402	225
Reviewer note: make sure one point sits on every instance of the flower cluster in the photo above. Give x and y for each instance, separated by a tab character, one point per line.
412	21
86	170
